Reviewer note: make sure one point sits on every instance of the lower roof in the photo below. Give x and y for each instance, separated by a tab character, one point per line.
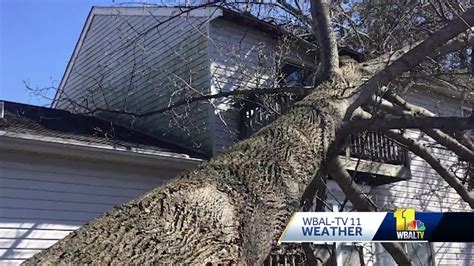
60	126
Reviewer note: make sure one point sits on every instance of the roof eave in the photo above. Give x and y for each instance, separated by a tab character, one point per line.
110	154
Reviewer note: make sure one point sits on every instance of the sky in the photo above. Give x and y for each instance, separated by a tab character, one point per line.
37	38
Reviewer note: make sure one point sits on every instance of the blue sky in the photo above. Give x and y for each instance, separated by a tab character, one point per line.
37	39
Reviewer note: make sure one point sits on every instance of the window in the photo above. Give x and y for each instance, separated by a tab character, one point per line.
292	75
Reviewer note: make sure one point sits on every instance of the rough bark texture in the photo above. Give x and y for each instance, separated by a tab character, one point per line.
231	209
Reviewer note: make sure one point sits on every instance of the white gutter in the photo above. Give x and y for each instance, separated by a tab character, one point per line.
147	158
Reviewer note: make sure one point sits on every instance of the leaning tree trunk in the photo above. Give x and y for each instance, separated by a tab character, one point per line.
231	209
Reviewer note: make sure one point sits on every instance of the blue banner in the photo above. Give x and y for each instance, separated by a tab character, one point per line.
402	225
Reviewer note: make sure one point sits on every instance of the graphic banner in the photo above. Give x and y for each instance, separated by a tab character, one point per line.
403	225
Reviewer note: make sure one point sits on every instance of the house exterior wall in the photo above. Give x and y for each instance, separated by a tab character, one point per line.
44	198
243	57
130	59
426	190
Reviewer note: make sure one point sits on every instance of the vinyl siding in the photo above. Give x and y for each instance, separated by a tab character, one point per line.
43	199
426	190
120	68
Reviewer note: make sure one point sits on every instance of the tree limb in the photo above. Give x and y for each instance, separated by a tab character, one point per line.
419	150
411	59
452	144
363	203
463	148
326	37
456	44
425	123
261	91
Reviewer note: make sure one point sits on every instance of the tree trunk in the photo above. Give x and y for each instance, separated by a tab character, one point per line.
231	209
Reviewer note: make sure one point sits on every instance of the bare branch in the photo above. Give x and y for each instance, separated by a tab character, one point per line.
295	11
171	106
419	150
435	134
411	59
449	142
456	44
363	203
383	123
326	39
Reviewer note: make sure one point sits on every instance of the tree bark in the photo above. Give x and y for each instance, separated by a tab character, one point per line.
230	210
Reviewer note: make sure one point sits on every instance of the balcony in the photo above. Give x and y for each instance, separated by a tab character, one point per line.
373	158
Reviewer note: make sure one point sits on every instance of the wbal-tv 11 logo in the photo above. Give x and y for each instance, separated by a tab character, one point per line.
408	228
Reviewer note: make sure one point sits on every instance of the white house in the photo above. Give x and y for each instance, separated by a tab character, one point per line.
137	60
59	170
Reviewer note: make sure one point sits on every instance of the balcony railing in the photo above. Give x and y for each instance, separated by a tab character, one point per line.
375	147
370	146
257	113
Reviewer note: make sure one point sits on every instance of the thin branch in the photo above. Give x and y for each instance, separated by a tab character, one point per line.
297	12
223	94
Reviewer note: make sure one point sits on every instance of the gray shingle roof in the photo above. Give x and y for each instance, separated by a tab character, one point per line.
55	124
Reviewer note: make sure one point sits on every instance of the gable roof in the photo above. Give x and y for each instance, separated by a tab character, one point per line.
59	126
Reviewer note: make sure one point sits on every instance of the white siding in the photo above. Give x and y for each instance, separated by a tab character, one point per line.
426	190
43	199
119	67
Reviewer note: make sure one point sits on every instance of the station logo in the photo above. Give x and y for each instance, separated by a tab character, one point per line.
408	228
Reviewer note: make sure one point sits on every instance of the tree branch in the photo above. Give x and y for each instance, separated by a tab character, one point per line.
456	44
411	59
261	91
452	144
363	203
419	150
326	38
426	123
444	138
295	11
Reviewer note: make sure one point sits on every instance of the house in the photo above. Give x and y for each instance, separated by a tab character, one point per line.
59	170
134	61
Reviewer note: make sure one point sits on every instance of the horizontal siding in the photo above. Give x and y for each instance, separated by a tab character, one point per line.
114	69
42	200
426	190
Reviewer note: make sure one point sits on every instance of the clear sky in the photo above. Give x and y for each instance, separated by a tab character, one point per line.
37	39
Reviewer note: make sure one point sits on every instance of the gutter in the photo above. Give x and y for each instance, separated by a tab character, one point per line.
144	158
